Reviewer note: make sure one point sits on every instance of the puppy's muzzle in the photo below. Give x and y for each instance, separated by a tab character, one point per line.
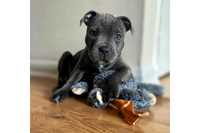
104	51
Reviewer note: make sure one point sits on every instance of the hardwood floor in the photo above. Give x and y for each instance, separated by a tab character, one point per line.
74	115
165	81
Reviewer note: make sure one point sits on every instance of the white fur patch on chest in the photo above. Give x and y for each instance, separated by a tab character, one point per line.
100	67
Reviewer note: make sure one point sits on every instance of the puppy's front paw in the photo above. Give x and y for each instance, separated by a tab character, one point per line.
110	93
59	95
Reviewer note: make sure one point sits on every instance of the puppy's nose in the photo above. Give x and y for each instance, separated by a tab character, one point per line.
104	50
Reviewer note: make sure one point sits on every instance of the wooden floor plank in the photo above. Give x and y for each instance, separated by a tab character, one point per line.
74	115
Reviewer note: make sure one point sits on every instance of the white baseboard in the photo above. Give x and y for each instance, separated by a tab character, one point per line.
43	64
44	68
43	74
136	73
48	69
149	74
162	72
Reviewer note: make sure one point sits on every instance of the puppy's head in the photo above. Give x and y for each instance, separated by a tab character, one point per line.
105	36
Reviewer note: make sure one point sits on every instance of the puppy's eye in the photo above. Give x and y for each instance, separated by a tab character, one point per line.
93	33
118	37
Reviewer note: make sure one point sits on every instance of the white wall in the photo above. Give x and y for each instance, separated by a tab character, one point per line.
148	60
163	42
155	53
55	29
55	26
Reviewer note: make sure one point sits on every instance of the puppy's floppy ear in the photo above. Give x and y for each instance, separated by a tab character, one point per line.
127	23
87	17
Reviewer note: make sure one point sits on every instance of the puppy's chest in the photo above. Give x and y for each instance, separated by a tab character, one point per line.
90	73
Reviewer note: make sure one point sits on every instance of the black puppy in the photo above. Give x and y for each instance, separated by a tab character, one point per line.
104	43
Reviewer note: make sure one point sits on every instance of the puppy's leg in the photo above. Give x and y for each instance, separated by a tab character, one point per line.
64	69
63	93
122	74
75	76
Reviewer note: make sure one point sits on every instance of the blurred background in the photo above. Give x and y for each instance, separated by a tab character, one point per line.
55	29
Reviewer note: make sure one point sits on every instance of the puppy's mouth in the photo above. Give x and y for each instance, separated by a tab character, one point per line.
102	60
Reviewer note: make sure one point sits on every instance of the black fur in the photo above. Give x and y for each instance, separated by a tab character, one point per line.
104	31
